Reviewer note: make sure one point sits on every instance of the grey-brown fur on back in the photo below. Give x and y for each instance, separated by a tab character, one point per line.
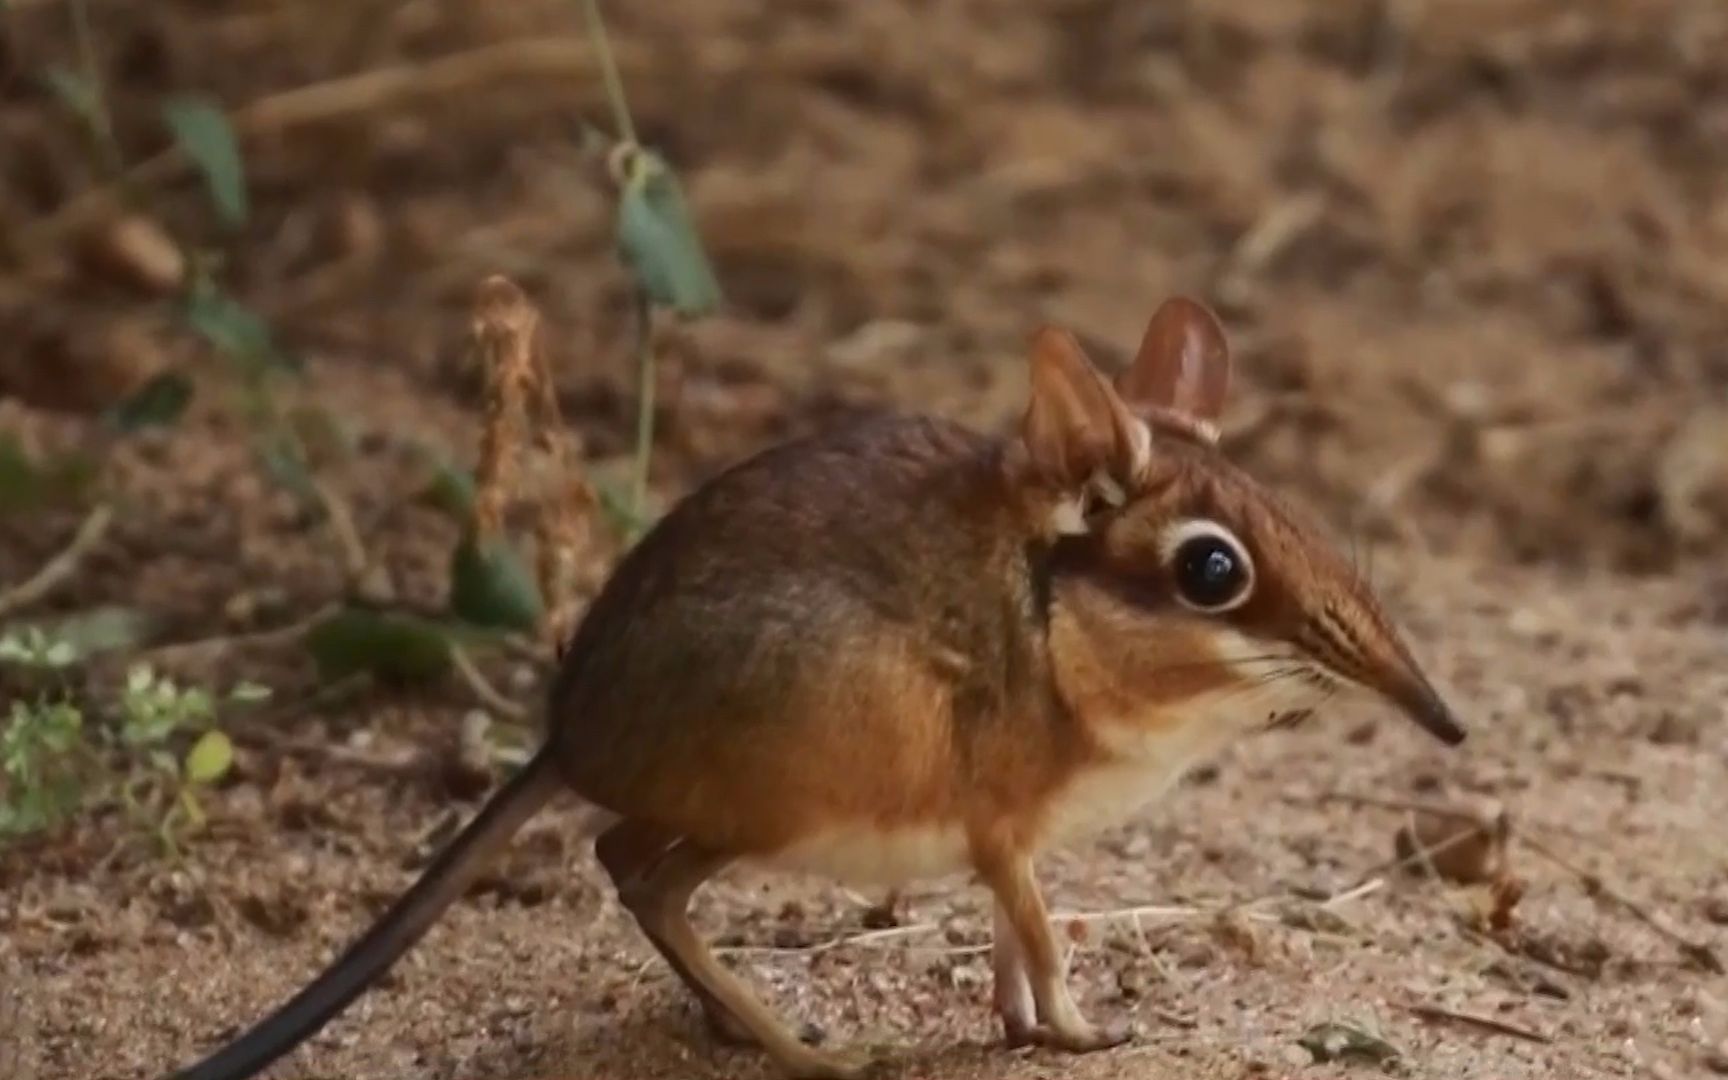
776	589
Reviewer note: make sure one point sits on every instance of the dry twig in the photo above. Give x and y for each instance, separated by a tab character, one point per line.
1416	806
488	694
394	765
876	938
370	91
1275	231
1695	951
220	645
62	566
343	530
1375	876
867	938
1486	1023
1369	885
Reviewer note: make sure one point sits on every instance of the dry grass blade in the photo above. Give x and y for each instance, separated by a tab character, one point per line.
219	646
1695	952
1508	890
62	566
1421	857
868	938
347	536
1463	845
1478	854
1275	231
1067	920
483	689
1487	1023
366	92
406	763
1414	806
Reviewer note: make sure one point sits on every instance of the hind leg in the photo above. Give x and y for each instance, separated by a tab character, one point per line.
629	850
1013	983
659	897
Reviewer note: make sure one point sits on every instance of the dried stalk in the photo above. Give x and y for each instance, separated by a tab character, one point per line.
62	566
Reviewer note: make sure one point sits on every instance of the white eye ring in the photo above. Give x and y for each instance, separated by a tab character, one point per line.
1209	566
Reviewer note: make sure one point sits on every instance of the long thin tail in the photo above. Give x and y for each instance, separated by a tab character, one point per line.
447	878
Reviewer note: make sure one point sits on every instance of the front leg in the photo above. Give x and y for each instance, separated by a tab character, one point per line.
1029	964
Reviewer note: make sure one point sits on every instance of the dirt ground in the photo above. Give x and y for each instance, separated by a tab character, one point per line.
1473	255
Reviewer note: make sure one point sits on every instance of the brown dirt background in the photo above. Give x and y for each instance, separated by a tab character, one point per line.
1474	258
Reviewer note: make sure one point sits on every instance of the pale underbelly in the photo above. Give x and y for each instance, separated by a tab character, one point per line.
870	854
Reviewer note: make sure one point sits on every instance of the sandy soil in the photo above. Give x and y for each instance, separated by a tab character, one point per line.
1473	253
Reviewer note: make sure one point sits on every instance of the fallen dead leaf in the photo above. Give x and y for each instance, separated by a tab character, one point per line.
1466	846
1331	1042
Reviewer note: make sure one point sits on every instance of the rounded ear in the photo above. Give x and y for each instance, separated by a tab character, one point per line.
1076	427
1184	362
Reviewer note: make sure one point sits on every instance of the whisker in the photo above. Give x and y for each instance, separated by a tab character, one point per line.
1257	683
1219	662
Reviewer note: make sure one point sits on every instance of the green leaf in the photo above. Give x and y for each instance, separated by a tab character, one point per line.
284	463
658	239
192	808
210	758
248	693
450	489
324	436
1346	1042
21	480
194	705
393	647
157	403
28	646
202	130
491	586
26	484
618	507
234	330
140	679
97	630
81	94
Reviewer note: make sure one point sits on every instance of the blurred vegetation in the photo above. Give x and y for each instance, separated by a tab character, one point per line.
155	744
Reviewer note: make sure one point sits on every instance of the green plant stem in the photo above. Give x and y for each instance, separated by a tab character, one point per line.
107	146
644	402
609	72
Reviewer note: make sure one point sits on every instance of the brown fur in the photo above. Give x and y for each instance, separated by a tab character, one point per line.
867	642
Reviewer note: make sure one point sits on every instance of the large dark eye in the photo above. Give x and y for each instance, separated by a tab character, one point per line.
1211	570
